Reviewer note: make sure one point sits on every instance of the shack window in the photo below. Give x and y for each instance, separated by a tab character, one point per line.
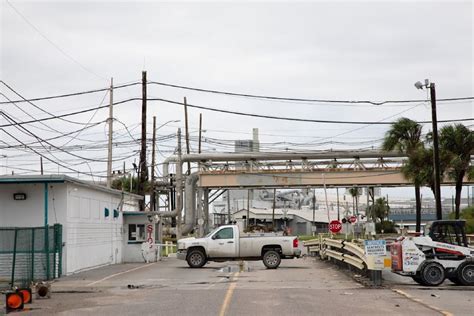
136	232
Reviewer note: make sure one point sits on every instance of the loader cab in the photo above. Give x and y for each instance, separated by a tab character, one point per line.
448	231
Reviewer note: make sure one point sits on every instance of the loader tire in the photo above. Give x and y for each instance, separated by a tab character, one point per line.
418	279
432	273
465	273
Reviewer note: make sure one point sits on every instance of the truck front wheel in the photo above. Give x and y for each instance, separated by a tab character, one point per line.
196	258
271	259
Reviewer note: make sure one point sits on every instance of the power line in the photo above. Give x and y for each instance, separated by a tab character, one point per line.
41	141
69	114
71	94
49	159
38	107
297	119
255	96
54	44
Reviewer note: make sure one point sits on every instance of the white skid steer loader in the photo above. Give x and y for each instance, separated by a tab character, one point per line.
441	253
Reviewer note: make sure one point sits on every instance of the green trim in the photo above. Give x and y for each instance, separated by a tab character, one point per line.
14	258
33	251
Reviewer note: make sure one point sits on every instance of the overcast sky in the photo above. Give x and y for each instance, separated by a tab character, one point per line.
324	50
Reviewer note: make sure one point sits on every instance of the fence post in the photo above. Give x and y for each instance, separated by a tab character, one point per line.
376	277
32	254
14	258
46	250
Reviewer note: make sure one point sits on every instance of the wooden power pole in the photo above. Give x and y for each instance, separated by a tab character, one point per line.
153	195
200	132
143	167
186	126
109	146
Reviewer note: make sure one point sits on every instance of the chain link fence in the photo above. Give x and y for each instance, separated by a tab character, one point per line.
29	254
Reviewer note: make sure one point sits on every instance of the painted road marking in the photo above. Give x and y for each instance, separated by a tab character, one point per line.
218	281
228	295
120	273
419	301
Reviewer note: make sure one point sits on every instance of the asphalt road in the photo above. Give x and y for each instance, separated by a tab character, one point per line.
299	287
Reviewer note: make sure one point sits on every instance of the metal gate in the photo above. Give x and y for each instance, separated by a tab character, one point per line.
29	254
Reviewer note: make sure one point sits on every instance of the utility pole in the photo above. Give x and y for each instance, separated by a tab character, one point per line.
273	211
179	187
228	206
313	228
338	214
187	132
248	209
41	166
142	166
153	195
439	212
200	132
110	121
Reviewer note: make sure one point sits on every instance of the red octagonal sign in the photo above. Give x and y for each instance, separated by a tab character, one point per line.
335	226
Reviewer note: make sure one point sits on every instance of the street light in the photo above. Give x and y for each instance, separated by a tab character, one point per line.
437	181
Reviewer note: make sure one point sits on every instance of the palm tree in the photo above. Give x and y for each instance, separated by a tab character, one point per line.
457	141
404	136
354	192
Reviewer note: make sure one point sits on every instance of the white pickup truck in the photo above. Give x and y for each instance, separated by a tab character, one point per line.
226	243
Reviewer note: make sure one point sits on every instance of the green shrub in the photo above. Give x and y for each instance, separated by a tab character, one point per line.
388	227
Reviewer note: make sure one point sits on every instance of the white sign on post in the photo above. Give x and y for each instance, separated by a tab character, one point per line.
376	254
375	247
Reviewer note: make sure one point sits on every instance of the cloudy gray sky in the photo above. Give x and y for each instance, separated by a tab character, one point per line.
325	50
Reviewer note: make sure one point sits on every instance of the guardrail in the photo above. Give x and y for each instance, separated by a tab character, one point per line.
348	252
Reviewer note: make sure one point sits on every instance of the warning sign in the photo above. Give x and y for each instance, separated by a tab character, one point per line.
375	247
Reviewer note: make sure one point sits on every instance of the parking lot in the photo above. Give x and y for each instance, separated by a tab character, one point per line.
299	287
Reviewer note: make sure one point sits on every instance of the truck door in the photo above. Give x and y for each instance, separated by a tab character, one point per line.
223	244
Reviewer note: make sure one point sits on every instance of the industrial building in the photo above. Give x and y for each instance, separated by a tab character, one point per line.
90	218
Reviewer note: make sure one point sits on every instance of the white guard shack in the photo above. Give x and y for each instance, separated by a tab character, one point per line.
91	216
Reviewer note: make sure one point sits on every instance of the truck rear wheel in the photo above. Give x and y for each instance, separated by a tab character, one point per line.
432	273
271	259
196	258
465	273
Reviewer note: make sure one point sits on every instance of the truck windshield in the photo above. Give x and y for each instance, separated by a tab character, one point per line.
211	232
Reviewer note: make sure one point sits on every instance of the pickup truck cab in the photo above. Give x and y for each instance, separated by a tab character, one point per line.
227	243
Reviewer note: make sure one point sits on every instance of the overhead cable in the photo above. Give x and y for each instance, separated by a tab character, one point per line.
297	119
302	99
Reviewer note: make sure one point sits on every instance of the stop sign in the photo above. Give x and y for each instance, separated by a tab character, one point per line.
335	226
353	219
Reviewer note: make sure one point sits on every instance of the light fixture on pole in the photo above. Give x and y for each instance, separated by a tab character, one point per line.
437	178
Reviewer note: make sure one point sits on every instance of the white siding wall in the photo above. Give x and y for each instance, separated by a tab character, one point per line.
92	239
30	212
